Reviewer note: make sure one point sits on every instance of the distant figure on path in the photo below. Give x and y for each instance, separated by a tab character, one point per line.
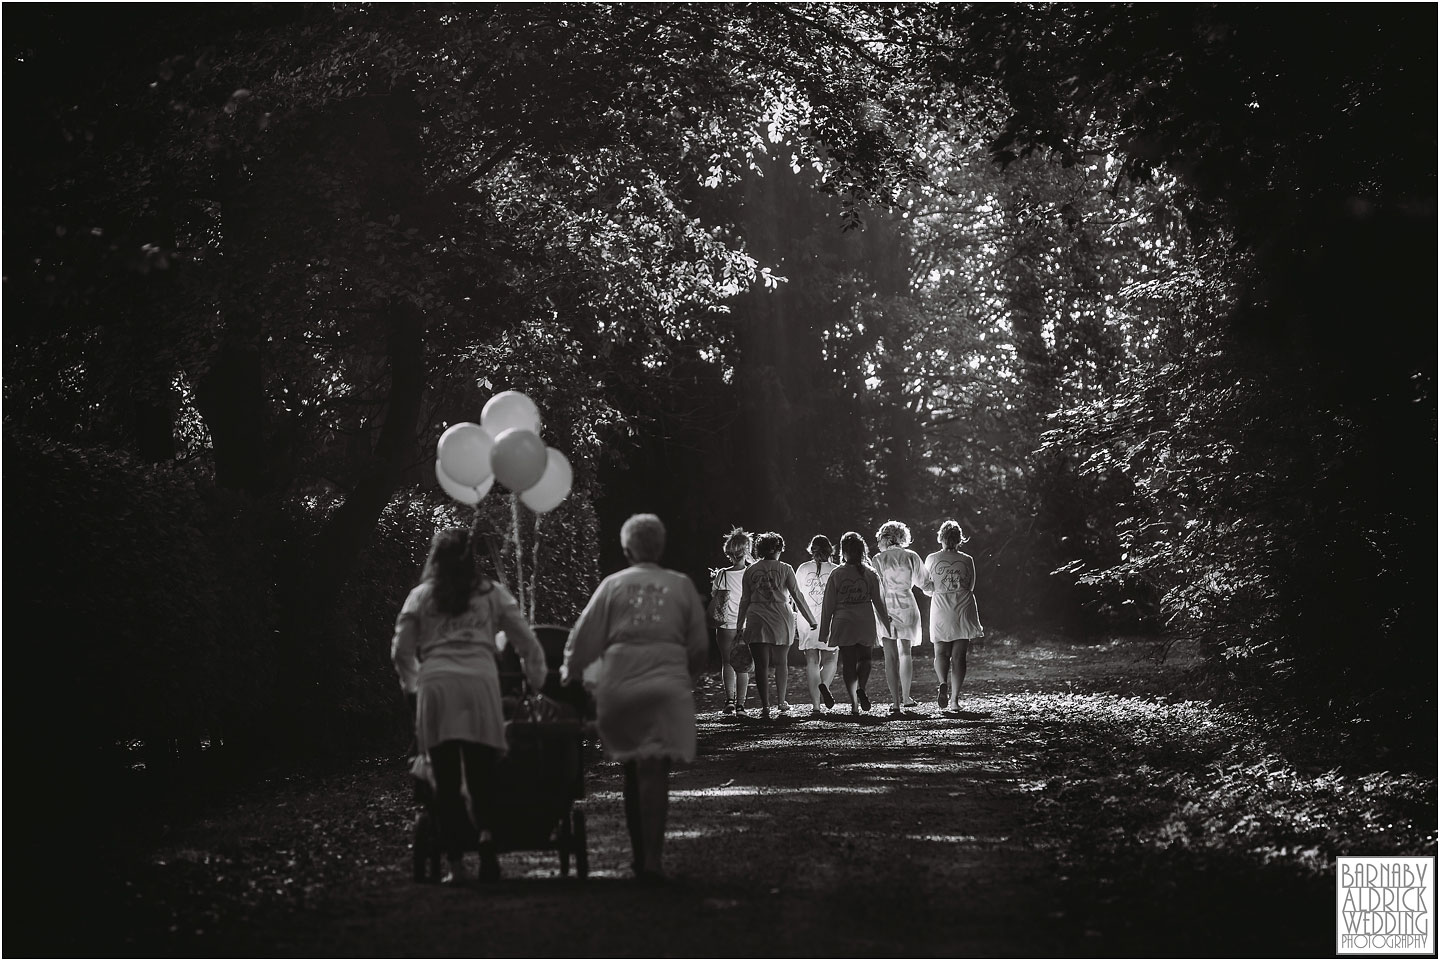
444	652
820	659
766	622
725	600
852	607
649	623
954	615
900	569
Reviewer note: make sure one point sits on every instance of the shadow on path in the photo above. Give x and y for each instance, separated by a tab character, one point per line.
797	836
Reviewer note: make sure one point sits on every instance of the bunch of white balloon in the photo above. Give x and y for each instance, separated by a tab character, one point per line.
504	446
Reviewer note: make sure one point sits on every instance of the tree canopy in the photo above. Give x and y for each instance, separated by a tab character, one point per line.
1130	291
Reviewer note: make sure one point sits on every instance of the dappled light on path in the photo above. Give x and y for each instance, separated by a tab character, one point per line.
1042	820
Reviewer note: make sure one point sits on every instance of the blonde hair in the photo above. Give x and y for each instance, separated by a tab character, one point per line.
951	535
739	535
892	534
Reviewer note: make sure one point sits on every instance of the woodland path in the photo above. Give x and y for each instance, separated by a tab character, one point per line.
792	838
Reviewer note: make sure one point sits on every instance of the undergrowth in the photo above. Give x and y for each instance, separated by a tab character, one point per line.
1178	816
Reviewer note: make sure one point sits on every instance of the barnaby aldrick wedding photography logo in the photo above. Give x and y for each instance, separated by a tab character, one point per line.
1385	906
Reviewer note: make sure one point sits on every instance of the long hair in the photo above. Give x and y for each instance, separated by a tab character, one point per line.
853	549
451	569
820	544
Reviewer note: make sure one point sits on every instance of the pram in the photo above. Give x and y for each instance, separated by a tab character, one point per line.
549	734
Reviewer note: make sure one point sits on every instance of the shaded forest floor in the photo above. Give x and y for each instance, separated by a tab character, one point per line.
1079	805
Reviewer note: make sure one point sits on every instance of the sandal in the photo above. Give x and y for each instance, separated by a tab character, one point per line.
729	707
826	697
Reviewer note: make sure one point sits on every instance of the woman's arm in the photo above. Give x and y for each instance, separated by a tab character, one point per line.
800	602
517	630
929	587
827	611
920	574
745	582
878	599
588	636
405	643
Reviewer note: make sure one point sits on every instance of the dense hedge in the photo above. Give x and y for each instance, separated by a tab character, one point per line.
145	598
144	605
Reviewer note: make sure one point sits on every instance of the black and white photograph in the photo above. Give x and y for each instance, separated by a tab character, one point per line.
720	480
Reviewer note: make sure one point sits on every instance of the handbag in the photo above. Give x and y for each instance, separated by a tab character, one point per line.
719	595
717	605
740	657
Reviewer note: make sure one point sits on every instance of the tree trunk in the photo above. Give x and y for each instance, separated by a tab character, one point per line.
342	539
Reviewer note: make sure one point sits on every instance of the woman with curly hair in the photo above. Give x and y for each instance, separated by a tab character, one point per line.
852	607
725	607
900	569
765	620
954	615
444	651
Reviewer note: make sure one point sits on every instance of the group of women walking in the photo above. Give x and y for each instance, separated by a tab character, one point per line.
646	628
848	609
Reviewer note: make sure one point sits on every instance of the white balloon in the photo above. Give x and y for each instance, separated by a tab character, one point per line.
463	494
518	459
464	450
510	410
553	486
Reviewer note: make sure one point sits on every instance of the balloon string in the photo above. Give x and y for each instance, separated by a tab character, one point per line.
535	569
478	524
519	550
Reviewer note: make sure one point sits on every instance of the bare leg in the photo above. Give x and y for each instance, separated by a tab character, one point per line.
782	672
737	683
829	661
725	640
652	777
892	671
905	666
958	667
942	666
812	676
761	654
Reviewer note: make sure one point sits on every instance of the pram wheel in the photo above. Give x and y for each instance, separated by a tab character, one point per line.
582	857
